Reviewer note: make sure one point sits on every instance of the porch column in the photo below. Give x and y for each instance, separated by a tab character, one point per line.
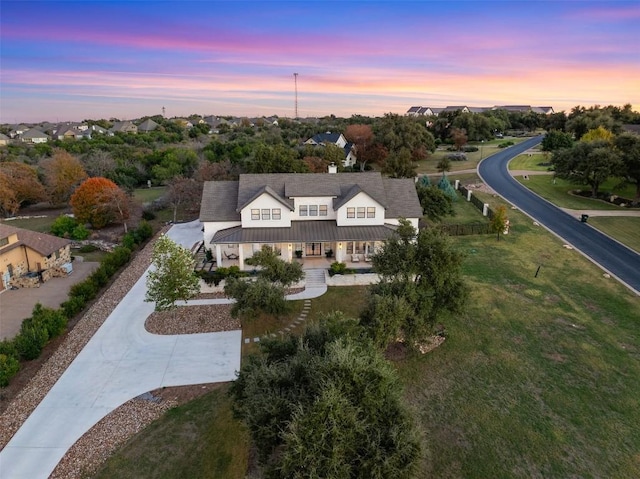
287	252
340	252
241	257
218	255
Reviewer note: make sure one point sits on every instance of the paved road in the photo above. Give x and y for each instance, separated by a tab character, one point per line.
617	259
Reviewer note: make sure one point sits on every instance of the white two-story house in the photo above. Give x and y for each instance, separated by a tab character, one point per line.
342	216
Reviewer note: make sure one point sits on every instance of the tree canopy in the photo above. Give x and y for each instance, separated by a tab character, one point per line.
172	277
99	201
326	406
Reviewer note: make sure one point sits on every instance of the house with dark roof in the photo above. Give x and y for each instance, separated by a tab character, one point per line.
123	127
338	139
147	126
28	257
308	215
33	136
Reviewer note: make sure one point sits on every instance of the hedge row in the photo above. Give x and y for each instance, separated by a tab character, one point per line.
45	324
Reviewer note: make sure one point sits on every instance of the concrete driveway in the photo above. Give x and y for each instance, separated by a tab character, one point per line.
17	305
120	362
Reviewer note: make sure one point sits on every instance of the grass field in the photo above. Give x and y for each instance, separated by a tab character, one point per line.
530	163
623	228
558	193
147	195
540	378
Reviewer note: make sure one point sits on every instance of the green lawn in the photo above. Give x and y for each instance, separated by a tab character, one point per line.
623	228
557	192
42	225
540	378
147	195
530	163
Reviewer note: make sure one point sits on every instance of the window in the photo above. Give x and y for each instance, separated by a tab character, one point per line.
276	214
371	212
361	210
323	210
351	212
3	242
303	210
255	214
266	214
313	210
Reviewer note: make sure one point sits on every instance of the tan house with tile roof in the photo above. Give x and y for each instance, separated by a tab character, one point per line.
346	214
26	257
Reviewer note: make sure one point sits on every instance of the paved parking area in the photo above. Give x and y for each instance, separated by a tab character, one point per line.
16	305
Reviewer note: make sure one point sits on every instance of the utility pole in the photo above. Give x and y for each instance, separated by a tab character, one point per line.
295	81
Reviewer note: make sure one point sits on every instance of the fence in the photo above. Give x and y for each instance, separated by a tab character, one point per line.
464	230
475	201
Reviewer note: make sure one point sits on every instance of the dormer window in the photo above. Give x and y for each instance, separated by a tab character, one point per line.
304	210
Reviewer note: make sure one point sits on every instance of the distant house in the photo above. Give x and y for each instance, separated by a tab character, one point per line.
18	130
629	128
4	140
420	111
28	257
338	139
123	127
341	215
413	111
453	109
34	136
183	122
68	132
147	126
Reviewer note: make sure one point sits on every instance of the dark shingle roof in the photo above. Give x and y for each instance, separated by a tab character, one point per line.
42	243
326	137
223	200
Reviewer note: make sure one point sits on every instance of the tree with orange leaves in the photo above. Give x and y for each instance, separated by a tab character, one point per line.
22	184
100	201
63	173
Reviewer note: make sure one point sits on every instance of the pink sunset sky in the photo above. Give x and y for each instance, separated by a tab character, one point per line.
91	59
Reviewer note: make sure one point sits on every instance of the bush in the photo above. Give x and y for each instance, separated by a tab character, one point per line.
8	348
63	226
143	232
100	277
30	341
129	240
73	306
88	248
9	367
337	268
506	144
52	320
148	215
457	157
86	289
470	148
80	233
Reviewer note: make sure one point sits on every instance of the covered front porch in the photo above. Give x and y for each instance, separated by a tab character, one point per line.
313	243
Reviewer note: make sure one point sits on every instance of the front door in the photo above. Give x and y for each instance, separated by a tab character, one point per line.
313	249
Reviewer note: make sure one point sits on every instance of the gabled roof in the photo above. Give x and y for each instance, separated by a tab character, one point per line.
148	125
414	109
223	200
327	137
42	243
34	133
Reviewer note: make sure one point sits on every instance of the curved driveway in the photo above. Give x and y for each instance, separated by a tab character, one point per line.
614	257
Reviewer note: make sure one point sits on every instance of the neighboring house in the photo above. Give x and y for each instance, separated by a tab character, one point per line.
4	140
183	122
338	139
34	136
68	132
309	215
461	108
28	257
18	130
147	125
629	128
413	111
123	127
420	111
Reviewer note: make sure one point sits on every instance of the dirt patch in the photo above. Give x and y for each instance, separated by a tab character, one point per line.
557	357
192	319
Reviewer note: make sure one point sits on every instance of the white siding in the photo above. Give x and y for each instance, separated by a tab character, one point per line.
361	200
211	228
268	202
313	201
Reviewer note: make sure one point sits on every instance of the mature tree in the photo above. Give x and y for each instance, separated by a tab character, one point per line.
362	137
447	188
598	134
23	182
459	137
315	164
172	277
555	139
184	193
100	201
400	164
435	203
499	221
276	159
423	269
589	163
395	132
267	293
326	406
222	171
628	147
99	163
63	173
444	165
8	201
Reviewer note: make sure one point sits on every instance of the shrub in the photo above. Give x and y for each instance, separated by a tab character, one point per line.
79	233
30	341
63	226
88	248
129	240
470	148
457	157
52	320
9	367
337	268
143	232
73	306
100	277
86	289
148	215
8	348
506	144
